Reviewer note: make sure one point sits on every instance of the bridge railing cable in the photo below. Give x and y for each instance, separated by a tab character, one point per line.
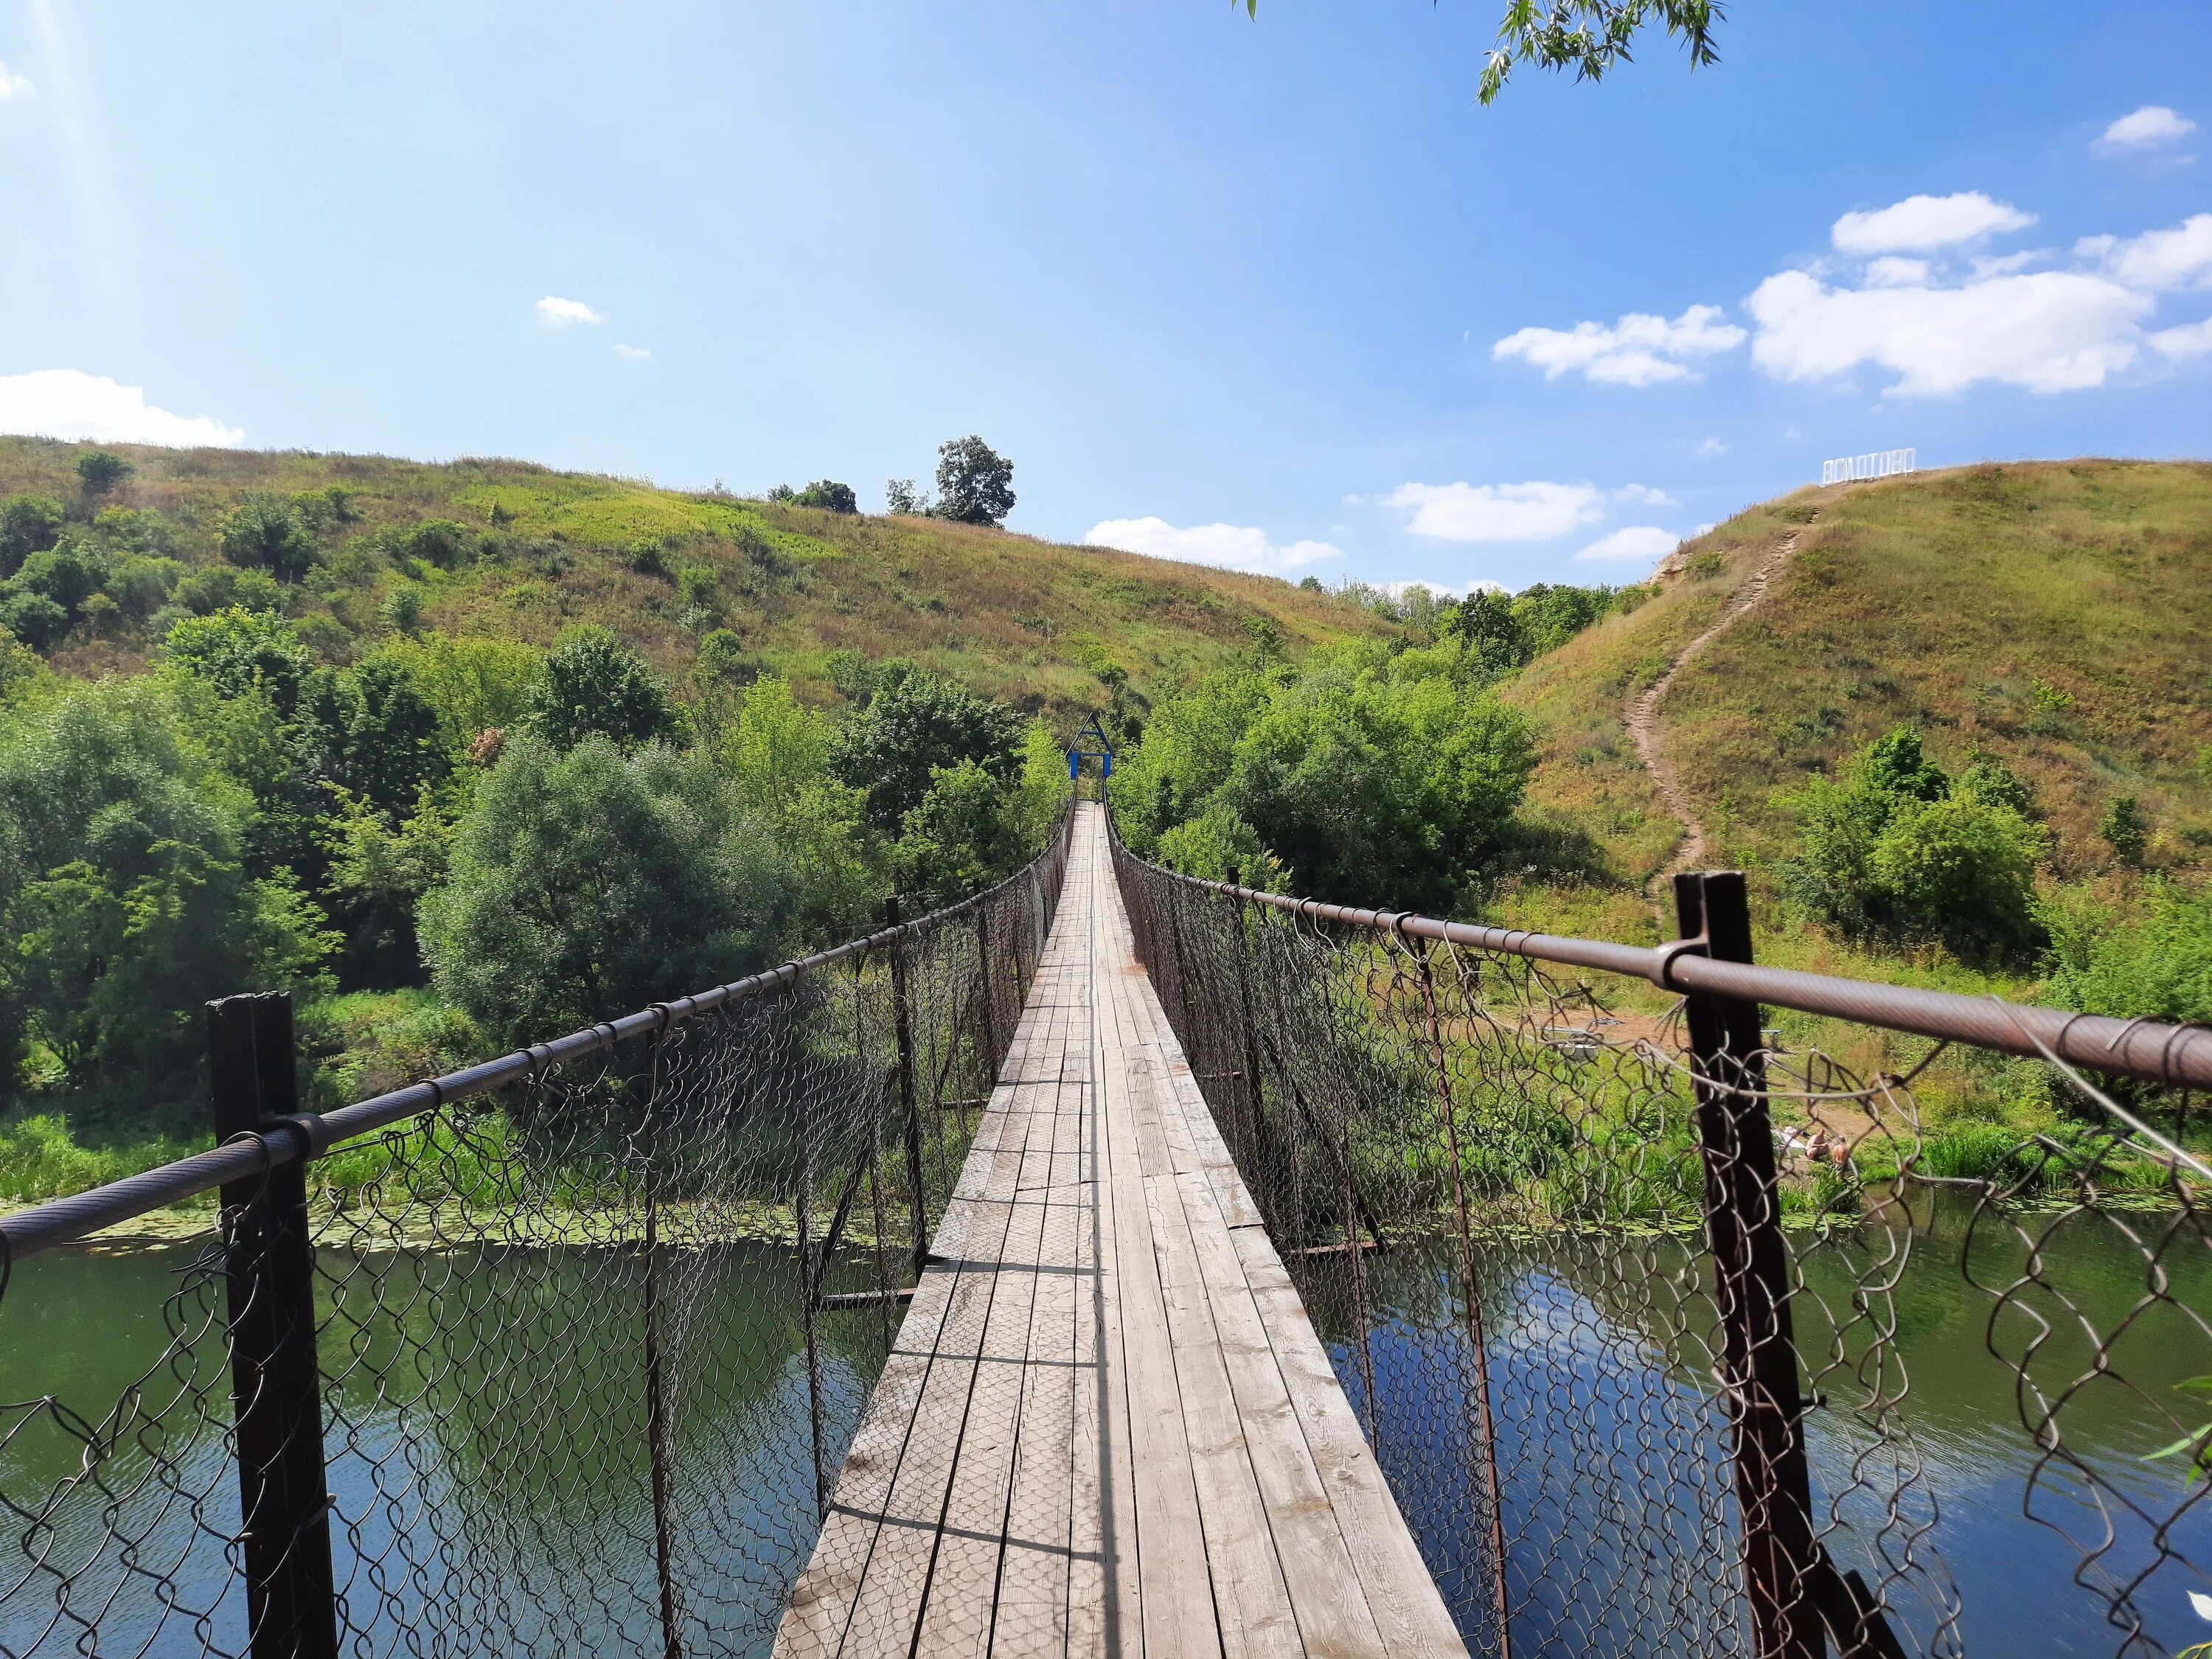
1685	1304
559	1353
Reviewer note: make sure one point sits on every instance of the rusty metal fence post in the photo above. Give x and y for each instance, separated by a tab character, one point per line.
268	1261
1782	1562
910	1102
656	1404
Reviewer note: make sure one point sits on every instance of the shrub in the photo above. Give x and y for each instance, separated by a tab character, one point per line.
219	587
698	586
437	542
34	619
2125	830
28	525
595	684
589	883
264	533
240	653
830	496
402	610
2160	968
914	726
68	572
98	471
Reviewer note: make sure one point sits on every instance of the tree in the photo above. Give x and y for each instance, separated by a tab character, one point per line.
390	748
238	652
1587	36
439	541
828	495
98	472
974	483
2125	830
900	496
28	525
263	532
68	572
123	890
594	683
34	619
587	884
911	727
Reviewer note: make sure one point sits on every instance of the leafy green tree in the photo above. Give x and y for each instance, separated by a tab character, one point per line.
974	483
1494	636
381	864
28	525
1374	784
900	495
68	572
238	652
594	683
587	884
475	685
911	727
959	837
2125	830
2158	969
439	541
402	609
141	586
218	587
34	619
1551	613
1588	36
98	471
123	889
389	743
264	533
828	495
1894	847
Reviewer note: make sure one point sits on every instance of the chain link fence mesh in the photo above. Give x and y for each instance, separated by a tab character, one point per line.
1497	1190
591	1344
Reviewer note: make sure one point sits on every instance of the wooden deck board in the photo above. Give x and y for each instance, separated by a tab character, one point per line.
1106	1426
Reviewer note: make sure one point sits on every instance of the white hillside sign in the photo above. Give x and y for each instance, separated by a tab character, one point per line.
1882	463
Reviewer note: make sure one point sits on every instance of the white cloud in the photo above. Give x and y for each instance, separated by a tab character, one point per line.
1636	541
2189	340
1637	351
1894	270
13	85
1236	547
1645	496
1533	511
67	403
2177	258
2047	331
2151	125
561	313
633	354
1711	446
1919	223
2003	264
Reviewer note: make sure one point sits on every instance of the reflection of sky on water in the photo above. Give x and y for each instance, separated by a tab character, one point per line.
1612	1455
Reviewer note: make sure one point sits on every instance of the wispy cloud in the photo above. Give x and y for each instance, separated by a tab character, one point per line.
2146	128
633	354
1636	541
13	85
1533	511
1640	349
67	403
1920	223
1234	547
2161	260
1645	496
1709	447
556	313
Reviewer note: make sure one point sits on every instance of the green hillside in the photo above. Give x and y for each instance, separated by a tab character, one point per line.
2055	615
1027	621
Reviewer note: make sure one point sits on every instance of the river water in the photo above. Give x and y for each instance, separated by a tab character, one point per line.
499	1498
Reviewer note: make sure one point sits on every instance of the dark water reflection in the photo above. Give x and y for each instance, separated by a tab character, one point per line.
486	1444
1617	1508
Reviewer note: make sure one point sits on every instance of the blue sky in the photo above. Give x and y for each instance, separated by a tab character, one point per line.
1228	288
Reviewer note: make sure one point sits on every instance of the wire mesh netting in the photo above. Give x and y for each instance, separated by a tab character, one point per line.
590	1346
1665	1356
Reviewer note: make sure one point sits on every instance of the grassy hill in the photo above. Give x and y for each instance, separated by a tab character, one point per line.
1028	622
2055	614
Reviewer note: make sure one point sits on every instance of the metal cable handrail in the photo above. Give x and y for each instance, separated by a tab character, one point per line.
305	1136
2174	1056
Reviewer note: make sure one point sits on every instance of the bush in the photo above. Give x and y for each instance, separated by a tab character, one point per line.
2125	830
264	533
587	884
68	572
34	619
240	652
913	727
698	586
402	610
218	587
1893	848
28	525
2160	968
98	471
123	889
829	495
438	542
594	685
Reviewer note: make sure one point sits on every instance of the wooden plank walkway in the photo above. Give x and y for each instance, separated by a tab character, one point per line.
1106	1426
